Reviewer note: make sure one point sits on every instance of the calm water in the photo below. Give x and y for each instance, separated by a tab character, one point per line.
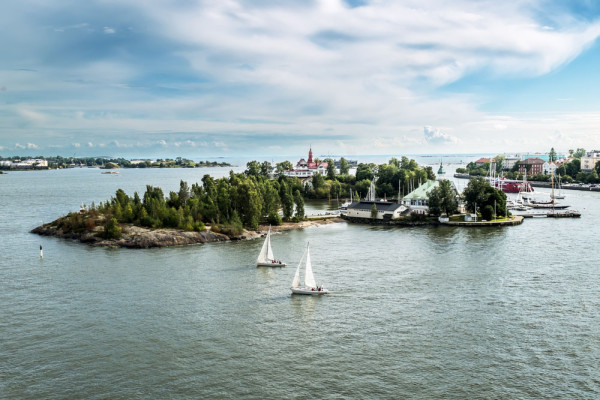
433	313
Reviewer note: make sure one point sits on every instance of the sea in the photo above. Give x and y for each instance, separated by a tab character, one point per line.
414	312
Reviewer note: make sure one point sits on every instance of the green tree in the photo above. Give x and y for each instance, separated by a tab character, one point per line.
479	194
318	181
287	201
344	166
252	168
579	153
552	155
184	192
281	167
265	169
374	211
330	168
364	171
299	201
442	199
499	163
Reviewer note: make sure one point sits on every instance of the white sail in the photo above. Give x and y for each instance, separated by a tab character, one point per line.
296	281
269	248
309	279
266	253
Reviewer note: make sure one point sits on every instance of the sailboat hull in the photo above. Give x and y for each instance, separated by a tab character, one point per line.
309	291
270	264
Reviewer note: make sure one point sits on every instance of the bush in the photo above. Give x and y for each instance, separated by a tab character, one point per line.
487	213
112	230
274	218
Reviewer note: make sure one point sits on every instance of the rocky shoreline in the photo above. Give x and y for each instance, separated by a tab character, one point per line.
136	237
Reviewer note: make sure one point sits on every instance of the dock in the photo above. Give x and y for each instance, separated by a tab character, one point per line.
515	220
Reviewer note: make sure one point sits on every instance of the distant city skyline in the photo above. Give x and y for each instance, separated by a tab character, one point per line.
201	79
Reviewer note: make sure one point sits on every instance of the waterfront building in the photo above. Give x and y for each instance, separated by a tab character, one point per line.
509	162
482	161
588	163
549	168
30	163
533	166
307	168
386	210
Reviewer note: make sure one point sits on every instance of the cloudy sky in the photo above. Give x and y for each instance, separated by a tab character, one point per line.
200	78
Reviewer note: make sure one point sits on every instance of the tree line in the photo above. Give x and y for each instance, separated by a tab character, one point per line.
396	177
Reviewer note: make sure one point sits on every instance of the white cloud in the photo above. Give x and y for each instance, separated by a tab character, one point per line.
77	145
435	136
26	146
108	30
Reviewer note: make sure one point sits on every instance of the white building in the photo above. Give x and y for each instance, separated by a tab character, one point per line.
588	163
549	168
307	168
386	210
510	162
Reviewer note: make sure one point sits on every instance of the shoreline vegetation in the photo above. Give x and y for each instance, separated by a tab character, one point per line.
240	205
227	207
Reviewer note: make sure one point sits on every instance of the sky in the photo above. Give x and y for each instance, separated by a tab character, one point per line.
198	79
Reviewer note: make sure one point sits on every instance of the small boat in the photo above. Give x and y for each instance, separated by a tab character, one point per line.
310	286
266	258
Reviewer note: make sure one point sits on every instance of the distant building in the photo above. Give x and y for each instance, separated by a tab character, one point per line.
482	161
307	168
386	210
30	163
509	162
588	163
533	166
549	168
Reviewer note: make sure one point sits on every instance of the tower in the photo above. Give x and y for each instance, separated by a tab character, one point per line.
310	159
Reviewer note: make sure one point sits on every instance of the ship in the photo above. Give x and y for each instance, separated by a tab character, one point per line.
512	186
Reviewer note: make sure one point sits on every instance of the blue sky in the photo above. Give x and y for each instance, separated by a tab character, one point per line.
241	78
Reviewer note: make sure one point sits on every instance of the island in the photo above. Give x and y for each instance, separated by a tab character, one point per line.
237	207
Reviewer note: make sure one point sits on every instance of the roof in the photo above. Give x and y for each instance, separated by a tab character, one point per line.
422	191
368	205
533	160
483	160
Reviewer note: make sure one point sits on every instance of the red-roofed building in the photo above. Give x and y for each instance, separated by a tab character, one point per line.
307	168
482	161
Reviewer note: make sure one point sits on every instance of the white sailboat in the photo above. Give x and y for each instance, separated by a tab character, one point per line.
310	286
266	258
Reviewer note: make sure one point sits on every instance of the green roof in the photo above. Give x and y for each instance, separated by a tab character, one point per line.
422	191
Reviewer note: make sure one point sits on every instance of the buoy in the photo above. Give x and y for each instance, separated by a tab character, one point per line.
41	252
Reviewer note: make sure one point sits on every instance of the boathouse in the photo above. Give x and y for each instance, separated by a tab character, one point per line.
386	210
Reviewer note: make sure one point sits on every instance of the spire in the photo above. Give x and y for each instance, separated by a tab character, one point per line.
310	155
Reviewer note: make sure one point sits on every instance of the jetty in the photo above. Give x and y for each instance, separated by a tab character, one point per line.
515	220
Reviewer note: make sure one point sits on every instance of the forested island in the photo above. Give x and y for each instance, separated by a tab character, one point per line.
225	208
